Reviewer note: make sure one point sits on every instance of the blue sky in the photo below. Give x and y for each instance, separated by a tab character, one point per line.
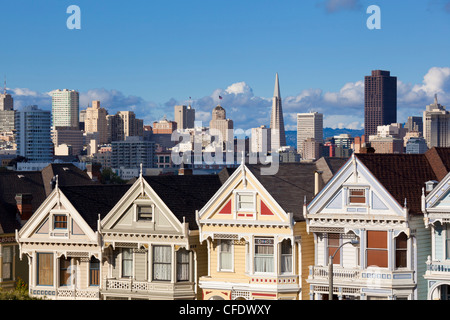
149	55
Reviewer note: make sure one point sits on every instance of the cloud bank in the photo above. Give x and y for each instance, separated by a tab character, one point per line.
341	109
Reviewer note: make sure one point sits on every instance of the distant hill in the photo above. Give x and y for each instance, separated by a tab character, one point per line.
291	136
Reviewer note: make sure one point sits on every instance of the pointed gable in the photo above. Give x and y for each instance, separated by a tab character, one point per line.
403	176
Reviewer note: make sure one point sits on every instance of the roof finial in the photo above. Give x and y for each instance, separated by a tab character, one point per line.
140	173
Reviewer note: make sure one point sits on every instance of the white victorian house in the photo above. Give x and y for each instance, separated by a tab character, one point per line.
436	209
374	199
62	244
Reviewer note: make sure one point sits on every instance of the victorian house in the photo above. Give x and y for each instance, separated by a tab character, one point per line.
132	241
436	210
61	242
255	232
151	246
368	223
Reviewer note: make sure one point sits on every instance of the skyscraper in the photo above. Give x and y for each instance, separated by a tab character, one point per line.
33	134
65	108
95	122
278	138
184	117
380	101
436	125
309	126
219	126
6	100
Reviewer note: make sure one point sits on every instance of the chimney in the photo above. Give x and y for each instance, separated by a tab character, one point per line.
24	209
317	181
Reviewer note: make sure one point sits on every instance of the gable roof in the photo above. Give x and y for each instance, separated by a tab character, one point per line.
403	175
295	181
93	200
68	175
184	194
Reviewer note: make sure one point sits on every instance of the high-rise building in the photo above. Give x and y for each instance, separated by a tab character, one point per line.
132	152
309	125
6	100
124	124
95	121
33	136
380	101
71	137
436	124
184	117
414	124
260	140
220	127
278	139
65	108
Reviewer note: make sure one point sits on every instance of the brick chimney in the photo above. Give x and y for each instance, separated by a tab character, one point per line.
24	209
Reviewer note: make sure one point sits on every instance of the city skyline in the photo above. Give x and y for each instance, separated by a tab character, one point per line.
162	65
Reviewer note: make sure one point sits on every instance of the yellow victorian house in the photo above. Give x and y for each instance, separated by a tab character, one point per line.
255	232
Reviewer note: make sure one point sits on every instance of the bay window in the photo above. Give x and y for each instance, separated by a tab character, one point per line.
264	255
162	263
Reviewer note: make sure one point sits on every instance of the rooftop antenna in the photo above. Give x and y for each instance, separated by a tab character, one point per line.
4	86
435	99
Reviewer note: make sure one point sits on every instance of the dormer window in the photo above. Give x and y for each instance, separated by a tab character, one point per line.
357	196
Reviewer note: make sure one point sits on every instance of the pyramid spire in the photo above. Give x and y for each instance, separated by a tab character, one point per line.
276	91
278	135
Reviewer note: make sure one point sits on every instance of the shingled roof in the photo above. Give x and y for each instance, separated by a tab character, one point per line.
404	175
93	200
184	194
294	182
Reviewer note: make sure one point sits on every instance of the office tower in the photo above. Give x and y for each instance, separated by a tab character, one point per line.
33	137
7	120
95	122
260	140
124	124
220	127
309	125
71	137
278	139
436	121
6	100
416	145
65	108
132	152
380	101
414	124
164	126
184	117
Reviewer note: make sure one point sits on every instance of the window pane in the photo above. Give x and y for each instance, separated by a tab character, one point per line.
182	265
64	271
45	269
245	201
377	239
286	256
162	263
94	272
7	263
264	260
377	258
357	196
226	256
60	222
127	262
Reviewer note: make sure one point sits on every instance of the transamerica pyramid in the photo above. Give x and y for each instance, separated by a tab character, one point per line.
278	135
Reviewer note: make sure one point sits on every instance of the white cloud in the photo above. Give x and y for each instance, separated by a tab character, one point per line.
343	108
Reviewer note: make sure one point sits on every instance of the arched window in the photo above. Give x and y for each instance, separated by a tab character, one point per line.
401	250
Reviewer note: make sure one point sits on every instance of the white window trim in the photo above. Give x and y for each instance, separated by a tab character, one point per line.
138	203
219	262
275	256
236	210
59	233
